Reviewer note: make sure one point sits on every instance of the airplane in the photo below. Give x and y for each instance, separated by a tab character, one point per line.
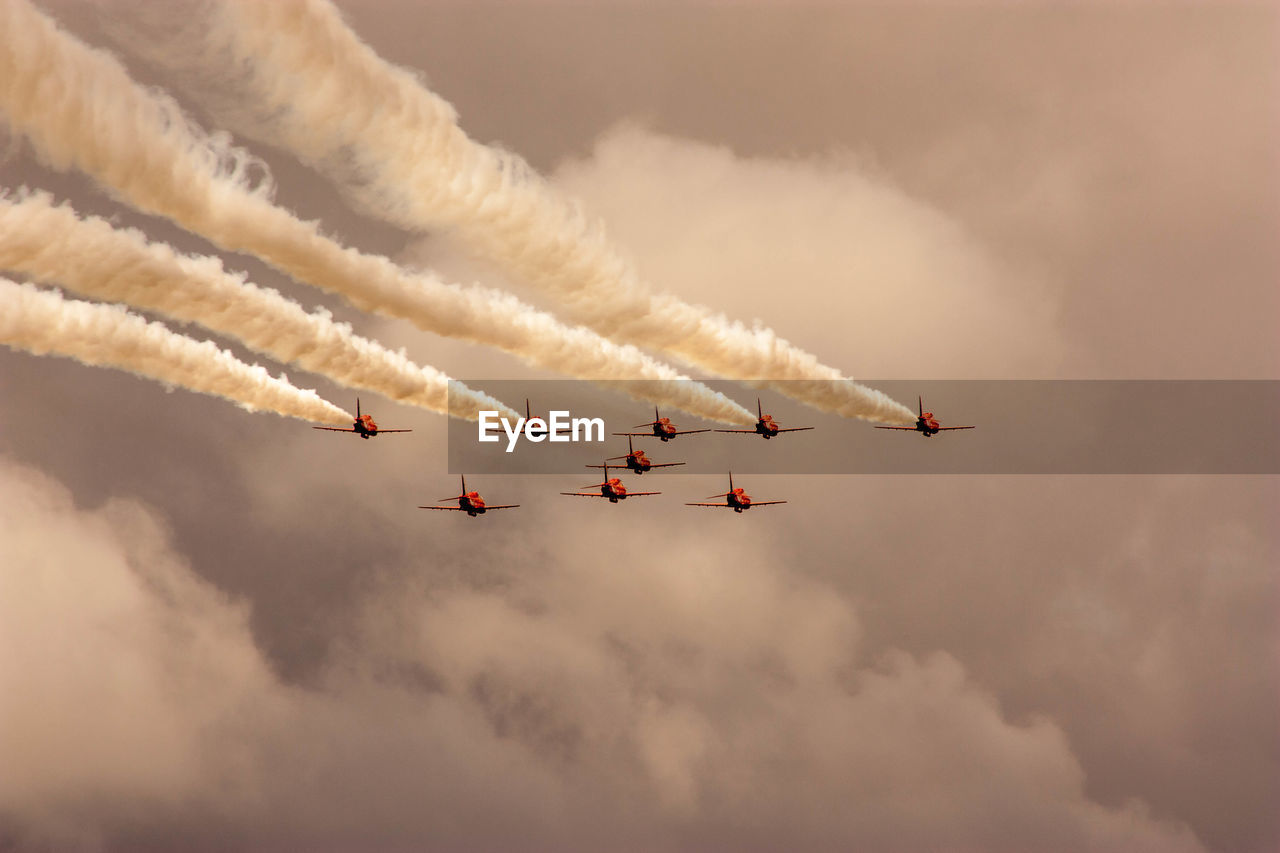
926	423
662	428
611	488
469	502
736	499
765	425
637	461
363	426
528	416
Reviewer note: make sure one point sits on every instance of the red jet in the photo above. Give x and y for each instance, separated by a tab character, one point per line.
765	425
662	428
736	499
637	461
528	416
363	426
926	423
469	502
611	488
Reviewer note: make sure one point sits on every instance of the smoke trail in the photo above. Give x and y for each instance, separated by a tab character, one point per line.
42	322
79	109
302	79
91	257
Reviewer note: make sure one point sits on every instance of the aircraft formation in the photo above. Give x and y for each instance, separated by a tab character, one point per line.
612	489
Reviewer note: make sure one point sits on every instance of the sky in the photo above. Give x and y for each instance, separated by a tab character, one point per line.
223	630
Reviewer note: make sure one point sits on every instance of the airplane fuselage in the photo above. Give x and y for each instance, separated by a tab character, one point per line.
472	503
613	490
663	429
365	427
766	427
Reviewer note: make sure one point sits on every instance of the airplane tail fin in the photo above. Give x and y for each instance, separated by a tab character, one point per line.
357	408
920	400
456	497
606	478
723	494
528	416
759	409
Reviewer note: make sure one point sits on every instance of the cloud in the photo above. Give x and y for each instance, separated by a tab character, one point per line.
878	281
129	683
722	696
715	696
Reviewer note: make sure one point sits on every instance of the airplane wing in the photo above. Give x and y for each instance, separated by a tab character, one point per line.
503	506
381	430
911	429
334	429
447	508
667	465
692	431
638	434
722	506
766	503
968	427
583	494
753	432
641	494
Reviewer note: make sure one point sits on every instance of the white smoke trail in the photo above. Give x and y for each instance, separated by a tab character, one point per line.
79	109
42	322
293	73
50	242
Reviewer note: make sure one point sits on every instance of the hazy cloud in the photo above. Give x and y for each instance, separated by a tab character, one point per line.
715	695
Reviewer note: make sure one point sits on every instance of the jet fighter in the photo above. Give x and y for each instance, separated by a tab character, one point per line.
363	425
765	426
528	416
661	428
926	423
611	488
469	502
736	499
637	461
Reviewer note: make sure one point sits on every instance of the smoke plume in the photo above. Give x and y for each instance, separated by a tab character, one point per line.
43	323
302	79
79	109
50	242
